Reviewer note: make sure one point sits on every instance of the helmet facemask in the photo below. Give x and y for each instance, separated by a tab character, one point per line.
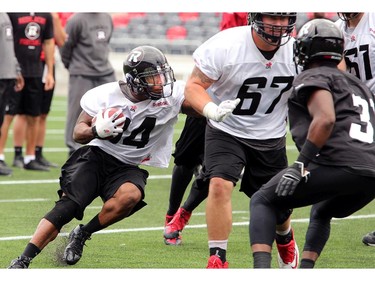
271	33
148	74
156	83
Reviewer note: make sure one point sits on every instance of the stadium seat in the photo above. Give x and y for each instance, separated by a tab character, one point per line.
155	19
184	17
157	31
172	19
196	33
176	32
120	19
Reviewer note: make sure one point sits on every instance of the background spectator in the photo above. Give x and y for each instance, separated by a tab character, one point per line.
85	55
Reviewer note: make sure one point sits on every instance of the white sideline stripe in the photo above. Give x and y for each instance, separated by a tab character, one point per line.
63	149
45	149
109	231
23	200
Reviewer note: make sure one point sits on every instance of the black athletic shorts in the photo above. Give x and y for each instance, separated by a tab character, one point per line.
6	89
29	100
190	146
227	155
90	173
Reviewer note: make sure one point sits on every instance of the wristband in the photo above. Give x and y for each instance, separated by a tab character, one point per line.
95	132
308	152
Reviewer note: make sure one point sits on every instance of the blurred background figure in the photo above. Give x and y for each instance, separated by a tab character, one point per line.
233	19
10	75
59	37
32	33
85	54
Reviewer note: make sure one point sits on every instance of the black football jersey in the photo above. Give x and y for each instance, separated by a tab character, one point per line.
351	143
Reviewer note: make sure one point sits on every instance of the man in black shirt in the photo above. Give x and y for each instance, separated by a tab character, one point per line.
32	33
332	120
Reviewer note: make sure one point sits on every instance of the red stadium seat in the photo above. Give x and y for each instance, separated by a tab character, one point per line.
120	20
176	32
188	16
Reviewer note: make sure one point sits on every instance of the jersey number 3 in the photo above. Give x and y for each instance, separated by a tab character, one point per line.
356	131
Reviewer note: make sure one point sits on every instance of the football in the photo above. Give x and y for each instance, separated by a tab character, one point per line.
112	111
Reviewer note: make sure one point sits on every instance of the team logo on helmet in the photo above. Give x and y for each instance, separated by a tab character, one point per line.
135	57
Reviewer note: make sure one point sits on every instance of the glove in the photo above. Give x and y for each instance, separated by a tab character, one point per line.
292	177
220	112
106	126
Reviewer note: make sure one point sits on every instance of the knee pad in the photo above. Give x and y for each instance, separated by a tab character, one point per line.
282	216
63	212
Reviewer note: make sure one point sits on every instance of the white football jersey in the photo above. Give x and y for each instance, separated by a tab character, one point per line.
147	137
360	48
232	58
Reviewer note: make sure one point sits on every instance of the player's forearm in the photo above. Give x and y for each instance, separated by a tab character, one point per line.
83	133
197	97
49	49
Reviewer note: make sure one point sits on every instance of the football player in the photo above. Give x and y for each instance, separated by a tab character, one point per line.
188	160
150	101
253	63
332	119
359	58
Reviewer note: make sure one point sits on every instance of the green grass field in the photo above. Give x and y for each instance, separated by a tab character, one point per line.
137	242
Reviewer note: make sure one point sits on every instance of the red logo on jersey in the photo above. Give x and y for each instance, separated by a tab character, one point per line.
133	108
352	38
160	103
268	65
148	158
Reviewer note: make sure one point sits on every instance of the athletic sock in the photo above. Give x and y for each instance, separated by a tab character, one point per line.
262	260
220	252
31	251
306	263
93	225
17	151
284	239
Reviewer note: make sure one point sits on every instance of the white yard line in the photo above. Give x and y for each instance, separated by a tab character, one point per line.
122	230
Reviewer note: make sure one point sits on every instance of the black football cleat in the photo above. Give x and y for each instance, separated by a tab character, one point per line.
74	249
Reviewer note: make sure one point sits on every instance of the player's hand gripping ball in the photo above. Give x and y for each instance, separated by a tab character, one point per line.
108	123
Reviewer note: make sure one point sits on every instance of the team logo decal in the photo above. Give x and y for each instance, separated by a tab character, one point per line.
32	31
135	57
100	35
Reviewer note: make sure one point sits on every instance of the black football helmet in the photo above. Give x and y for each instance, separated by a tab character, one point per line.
148	73
347	16
277	32
318	39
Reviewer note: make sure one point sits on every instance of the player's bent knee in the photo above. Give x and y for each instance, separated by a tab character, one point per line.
63	212
128	196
